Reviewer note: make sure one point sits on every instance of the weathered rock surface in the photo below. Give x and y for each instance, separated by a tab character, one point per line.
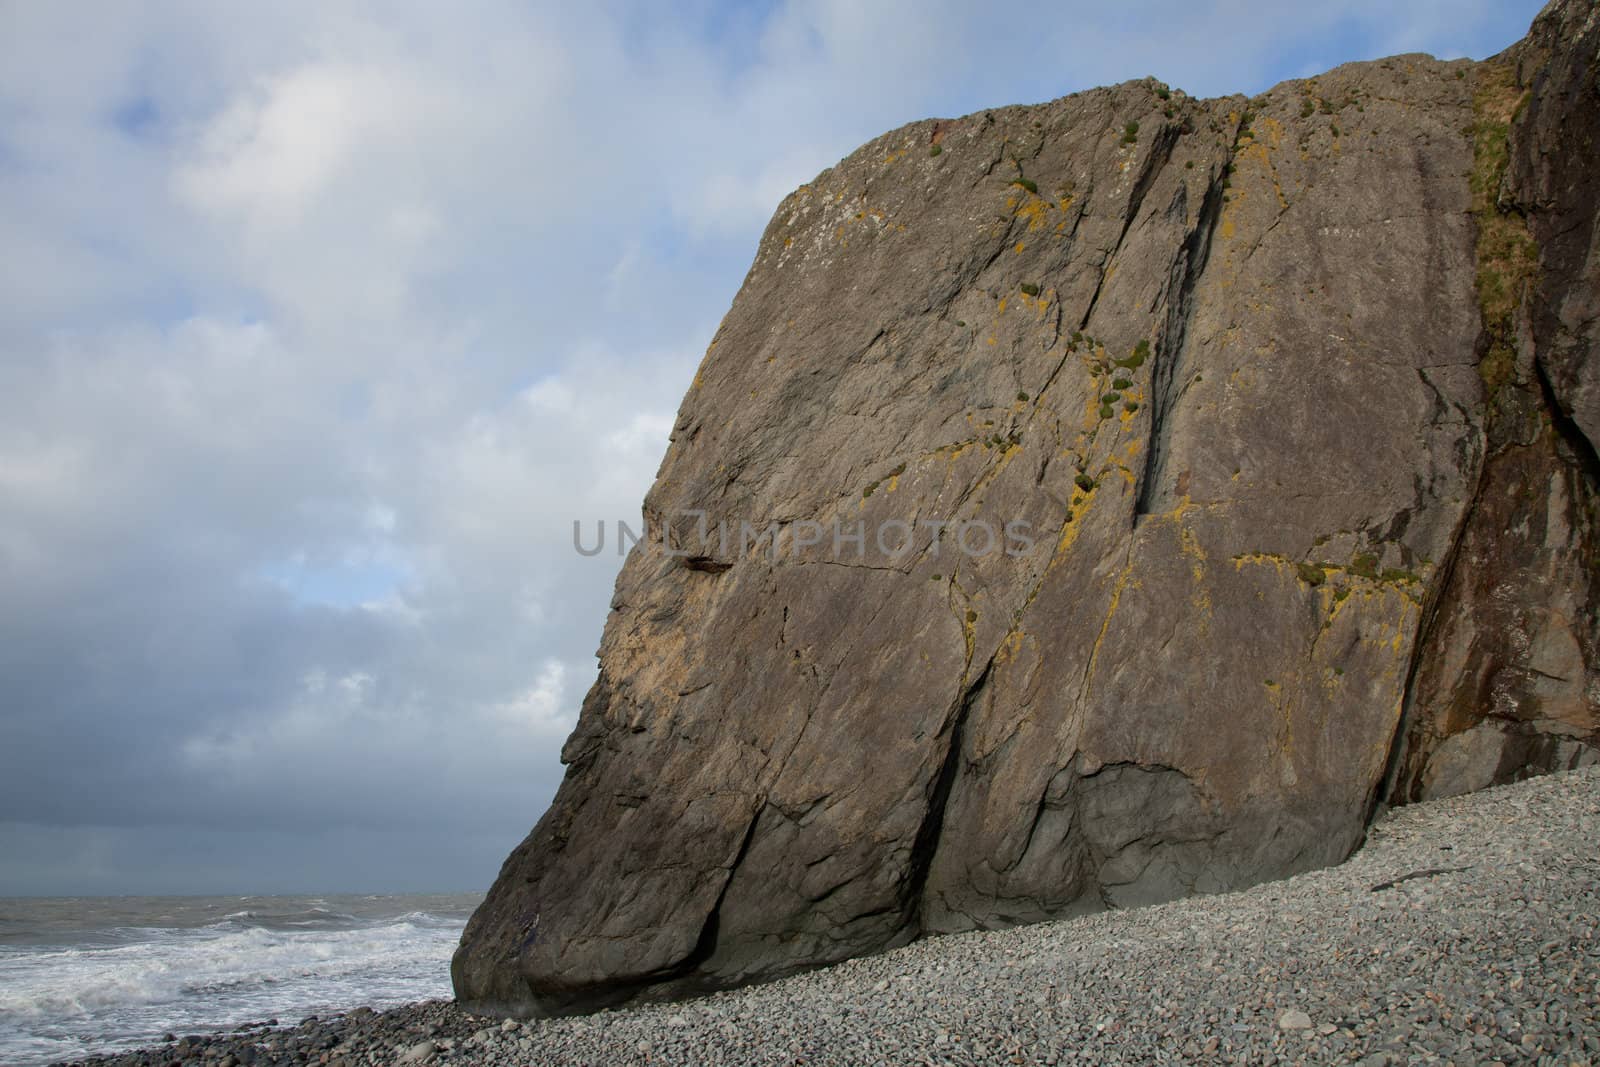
1507	681
1294	400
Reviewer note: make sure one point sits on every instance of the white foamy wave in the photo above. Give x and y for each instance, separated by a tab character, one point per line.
309	917
60	1002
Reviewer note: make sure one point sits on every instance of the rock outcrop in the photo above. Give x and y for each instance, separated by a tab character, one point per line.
1262	436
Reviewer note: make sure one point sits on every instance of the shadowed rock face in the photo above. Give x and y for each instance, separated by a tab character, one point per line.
1291	405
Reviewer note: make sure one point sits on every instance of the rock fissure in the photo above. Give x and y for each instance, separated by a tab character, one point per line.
1190	264
1567	429
1159	154
926	843
706	944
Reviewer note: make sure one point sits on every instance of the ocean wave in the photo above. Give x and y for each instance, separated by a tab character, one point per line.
309	917
219	960
84	976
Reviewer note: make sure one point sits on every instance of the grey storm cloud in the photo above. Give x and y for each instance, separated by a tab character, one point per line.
320	325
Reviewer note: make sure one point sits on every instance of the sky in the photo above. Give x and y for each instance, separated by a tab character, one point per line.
320	324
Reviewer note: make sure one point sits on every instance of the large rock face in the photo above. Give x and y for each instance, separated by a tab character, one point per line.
1290	406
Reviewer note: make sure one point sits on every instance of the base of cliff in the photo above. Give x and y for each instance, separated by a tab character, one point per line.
1465	929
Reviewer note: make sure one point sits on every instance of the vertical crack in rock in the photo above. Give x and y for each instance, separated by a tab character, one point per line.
1039	809
1188	266
926	843
706	944
1567	429
1160	153
1421	648
1409	753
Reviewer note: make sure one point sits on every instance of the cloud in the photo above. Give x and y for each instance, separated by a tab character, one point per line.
542	707
232	603
320	325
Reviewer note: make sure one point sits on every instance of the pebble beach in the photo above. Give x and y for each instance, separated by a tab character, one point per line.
1465	931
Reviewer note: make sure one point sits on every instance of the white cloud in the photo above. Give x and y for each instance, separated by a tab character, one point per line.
542	708
268	154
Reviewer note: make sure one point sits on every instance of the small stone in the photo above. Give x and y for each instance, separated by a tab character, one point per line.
510	1026
418	1052
1294	1019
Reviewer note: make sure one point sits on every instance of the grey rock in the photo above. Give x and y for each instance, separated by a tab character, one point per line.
1314	517
1508	679
1294	1019
419	1052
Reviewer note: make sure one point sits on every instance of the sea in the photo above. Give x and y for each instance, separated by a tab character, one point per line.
96	974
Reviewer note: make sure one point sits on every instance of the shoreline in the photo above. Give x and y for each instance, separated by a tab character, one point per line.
1466	929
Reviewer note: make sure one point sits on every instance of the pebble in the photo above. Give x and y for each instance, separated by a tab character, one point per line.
1496	960
418	1052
